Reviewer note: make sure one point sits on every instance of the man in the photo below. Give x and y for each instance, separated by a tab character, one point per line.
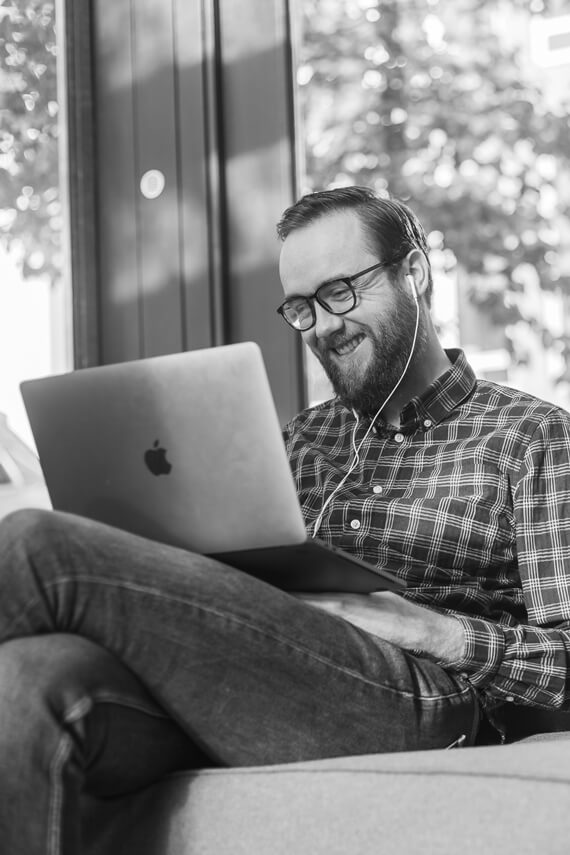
460	486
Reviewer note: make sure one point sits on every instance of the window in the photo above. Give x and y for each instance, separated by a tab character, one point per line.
452	107
34	293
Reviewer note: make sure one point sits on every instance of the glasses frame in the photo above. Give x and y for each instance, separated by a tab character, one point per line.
314	297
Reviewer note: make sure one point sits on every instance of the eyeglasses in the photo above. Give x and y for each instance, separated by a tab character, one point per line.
338	297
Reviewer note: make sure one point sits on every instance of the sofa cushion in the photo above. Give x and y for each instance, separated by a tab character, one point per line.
508	799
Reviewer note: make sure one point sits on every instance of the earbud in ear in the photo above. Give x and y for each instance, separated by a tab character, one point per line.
411	281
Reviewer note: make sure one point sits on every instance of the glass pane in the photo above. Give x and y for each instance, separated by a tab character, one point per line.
461	109
35	316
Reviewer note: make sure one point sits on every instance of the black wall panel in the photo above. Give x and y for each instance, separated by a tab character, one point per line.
191	165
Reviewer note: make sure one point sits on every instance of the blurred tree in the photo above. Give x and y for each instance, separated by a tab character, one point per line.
30	210
429	101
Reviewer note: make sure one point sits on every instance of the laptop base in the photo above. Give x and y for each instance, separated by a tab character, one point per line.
311	567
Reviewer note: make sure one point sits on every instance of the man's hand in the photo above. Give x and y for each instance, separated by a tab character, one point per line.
391	617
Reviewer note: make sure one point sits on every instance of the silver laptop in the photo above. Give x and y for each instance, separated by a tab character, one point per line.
187	449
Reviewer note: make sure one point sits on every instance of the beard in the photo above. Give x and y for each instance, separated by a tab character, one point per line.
392	340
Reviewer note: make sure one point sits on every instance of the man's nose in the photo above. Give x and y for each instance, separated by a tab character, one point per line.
326	323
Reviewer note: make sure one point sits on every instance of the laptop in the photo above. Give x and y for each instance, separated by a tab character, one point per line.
187	449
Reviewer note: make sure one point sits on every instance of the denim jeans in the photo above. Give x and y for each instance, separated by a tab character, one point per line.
235	672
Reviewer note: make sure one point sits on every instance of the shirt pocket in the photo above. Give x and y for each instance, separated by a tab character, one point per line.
458	535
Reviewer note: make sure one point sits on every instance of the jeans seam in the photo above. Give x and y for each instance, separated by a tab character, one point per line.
478	717
148	589
101	696
77	710
56	798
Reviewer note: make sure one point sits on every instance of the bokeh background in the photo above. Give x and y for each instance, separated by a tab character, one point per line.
462	109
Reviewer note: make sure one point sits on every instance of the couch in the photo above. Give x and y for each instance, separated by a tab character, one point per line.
499	799
492	799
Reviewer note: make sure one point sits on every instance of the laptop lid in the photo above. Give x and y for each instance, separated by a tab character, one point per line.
157	447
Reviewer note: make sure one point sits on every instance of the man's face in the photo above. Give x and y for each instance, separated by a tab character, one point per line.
365	351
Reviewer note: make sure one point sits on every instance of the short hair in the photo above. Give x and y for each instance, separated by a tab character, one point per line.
391	227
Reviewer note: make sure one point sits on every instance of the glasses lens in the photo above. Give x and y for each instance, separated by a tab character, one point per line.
337	297
298	313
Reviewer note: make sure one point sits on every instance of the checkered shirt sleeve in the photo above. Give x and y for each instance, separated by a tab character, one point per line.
530	662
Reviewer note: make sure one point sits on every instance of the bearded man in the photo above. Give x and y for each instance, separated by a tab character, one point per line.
459	486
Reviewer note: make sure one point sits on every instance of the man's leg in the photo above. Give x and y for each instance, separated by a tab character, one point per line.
250	673
73	721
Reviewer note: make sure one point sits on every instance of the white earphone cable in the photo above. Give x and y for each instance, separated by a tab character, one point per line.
356	460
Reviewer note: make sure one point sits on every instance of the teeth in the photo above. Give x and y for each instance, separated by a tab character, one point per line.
349	346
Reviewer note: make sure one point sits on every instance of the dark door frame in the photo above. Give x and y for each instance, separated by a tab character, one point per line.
242	95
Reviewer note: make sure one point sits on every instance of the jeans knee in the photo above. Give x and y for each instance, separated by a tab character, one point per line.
62	686
60	670
44	704
25	526
24	699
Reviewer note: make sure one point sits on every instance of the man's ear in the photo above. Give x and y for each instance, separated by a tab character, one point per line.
416	266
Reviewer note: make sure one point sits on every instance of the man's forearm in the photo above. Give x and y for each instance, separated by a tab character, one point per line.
444	637
395	619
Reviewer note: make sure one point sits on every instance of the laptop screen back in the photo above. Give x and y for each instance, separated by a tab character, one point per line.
184	449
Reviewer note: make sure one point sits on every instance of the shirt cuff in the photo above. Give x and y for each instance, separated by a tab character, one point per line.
484	650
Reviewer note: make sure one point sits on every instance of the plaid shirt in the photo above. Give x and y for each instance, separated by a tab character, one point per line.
469	502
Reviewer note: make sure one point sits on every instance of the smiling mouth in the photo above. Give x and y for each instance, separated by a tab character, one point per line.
348	346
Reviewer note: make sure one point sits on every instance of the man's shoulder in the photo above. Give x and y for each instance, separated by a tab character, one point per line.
515	405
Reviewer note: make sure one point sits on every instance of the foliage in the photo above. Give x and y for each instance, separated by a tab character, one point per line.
424	100
30	209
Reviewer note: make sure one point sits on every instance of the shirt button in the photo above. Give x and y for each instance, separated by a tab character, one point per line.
509	698
355	524
427	423
399	437
377	489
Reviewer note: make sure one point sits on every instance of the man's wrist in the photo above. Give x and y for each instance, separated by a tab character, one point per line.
445	638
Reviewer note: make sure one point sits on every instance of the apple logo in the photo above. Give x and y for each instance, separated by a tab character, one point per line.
155	459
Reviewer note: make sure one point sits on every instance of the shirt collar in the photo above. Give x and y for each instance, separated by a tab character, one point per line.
446	393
